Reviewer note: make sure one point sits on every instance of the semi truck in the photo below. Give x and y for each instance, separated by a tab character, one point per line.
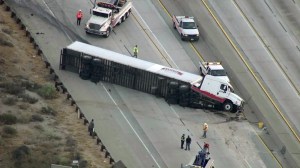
186	27
106	15
176	86
214	69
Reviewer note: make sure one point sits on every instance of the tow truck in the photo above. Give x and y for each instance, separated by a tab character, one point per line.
186	27
106	15
213	69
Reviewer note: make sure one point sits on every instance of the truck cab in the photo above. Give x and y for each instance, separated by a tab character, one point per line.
213	69
220	91
186	27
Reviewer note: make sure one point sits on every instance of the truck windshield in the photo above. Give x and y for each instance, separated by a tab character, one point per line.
217	73
189	25
100	14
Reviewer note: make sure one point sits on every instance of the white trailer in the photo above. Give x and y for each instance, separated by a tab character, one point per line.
186	27
106	15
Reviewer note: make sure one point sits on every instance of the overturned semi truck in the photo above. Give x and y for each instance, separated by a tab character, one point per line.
175	86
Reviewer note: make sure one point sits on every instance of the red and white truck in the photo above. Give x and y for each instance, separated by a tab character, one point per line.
106	15
214	69
186	27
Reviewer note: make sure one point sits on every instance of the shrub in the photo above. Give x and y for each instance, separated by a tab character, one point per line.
9	130
23	106
7	31
36	117
20	152
13	88
10	101
8	119
5	42
48	92
39	127
30	85
48	111
28	98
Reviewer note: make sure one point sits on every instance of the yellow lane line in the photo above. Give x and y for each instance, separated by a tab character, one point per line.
151	40
263	142
251	71
191	44
265	44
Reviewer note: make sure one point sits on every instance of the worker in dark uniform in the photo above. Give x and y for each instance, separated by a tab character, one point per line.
91	127
182	140
188	143
135	51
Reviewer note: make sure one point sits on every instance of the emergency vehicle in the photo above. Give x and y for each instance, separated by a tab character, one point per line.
186	27
213	69
106	15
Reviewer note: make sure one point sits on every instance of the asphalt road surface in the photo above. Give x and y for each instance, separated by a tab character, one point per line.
138	128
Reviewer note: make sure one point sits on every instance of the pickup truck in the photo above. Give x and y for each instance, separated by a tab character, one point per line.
186	27
213	69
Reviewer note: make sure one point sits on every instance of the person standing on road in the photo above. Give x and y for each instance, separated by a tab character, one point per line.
188	143
91	127
182	140
205	128
135	51
79	16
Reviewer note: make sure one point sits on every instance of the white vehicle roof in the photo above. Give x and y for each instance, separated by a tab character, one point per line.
134	62
216	67
102	10
187	20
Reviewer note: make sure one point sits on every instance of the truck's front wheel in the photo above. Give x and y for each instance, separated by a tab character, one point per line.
107	33
228	105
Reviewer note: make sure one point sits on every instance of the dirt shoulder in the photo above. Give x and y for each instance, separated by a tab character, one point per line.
38	126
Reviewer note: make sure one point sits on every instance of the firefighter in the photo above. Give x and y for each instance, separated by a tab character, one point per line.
79	16
135	51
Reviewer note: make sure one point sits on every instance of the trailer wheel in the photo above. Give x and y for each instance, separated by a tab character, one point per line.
107	33
123	18
119	22
127	14
227	106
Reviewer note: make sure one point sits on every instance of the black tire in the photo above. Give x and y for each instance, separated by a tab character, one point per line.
119	22
107	32
123	18
174	26
228	106
181	37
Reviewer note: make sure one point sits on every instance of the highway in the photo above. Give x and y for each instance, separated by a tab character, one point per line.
140	129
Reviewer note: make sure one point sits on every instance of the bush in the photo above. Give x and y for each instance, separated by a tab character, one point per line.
8	119
7	31
10	101
20	152
28	98
13	88
5	42
9	130
48	111
47	92
30	85
36	117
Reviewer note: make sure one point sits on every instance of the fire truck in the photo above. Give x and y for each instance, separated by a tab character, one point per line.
106	15
213	69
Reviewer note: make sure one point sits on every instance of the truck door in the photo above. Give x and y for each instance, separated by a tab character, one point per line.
223	91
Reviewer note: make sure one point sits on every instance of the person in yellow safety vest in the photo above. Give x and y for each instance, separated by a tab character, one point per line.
205	128
135	51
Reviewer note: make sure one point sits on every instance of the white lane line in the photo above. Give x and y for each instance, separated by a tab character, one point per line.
57	19
155	38
130	125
